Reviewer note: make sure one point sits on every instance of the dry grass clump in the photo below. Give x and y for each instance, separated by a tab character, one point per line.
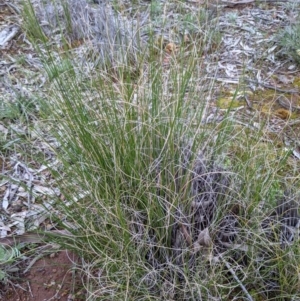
213	232
111	38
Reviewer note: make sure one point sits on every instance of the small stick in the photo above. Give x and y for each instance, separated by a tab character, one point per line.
292	91
29	288
236	279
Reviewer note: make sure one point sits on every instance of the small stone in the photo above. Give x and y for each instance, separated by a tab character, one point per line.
52	255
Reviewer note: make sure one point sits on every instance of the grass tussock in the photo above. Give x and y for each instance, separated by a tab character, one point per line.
161	205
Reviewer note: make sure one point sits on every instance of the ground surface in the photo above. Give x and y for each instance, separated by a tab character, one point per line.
52	277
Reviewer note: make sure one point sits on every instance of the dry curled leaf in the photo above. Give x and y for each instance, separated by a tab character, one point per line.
204	238
170	48
283	113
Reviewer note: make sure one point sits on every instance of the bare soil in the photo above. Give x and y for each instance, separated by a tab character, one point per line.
50	278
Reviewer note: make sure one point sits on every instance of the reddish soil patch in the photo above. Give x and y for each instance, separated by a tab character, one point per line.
50	278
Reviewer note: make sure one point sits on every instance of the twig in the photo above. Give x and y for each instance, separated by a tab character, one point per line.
294	122
288	106
29	288
12	7
16	285
292	91
232	4
236	278
248	102
33	261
